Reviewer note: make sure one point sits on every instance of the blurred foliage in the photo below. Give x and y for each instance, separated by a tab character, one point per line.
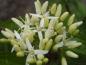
73	6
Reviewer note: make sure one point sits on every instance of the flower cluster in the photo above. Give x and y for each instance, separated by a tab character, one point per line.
43	32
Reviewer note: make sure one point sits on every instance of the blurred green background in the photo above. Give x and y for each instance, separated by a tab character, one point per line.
77	7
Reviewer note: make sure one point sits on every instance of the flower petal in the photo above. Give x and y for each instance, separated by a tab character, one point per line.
41	51
17	34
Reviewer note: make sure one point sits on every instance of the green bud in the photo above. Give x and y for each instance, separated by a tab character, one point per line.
71	54
46	22
59	10
71	19
31	60
45	60
39	62
40	57
20	54
4	40
13	42
38	7
74	27
76	32
53	9
42	43
49	44
18	22
58	26
64	61
44	7
58	38
64	16
17	48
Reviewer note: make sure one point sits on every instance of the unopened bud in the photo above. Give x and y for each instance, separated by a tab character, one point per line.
40	56
7	34
42	43
58	38
49	44
20	54
4	40
27	19
73	44
64	16
53	9
59	10
18	22
64	61
73	27
76	32
58	26
38	7
46	22
71	19
45	60
57	46
39	62
71	54
44	7
31	60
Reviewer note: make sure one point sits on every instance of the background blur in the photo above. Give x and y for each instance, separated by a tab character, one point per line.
15	8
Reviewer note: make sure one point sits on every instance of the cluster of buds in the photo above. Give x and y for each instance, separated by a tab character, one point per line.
43	32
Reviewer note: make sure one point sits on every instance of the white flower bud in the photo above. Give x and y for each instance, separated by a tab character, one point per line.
18	22
27	19
59	10
71	19
64	16
8	30
64	61
38	7
48	45
71	54
7	34
53	9
44	7
72	44
45	60
20	54
40	56
39	62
